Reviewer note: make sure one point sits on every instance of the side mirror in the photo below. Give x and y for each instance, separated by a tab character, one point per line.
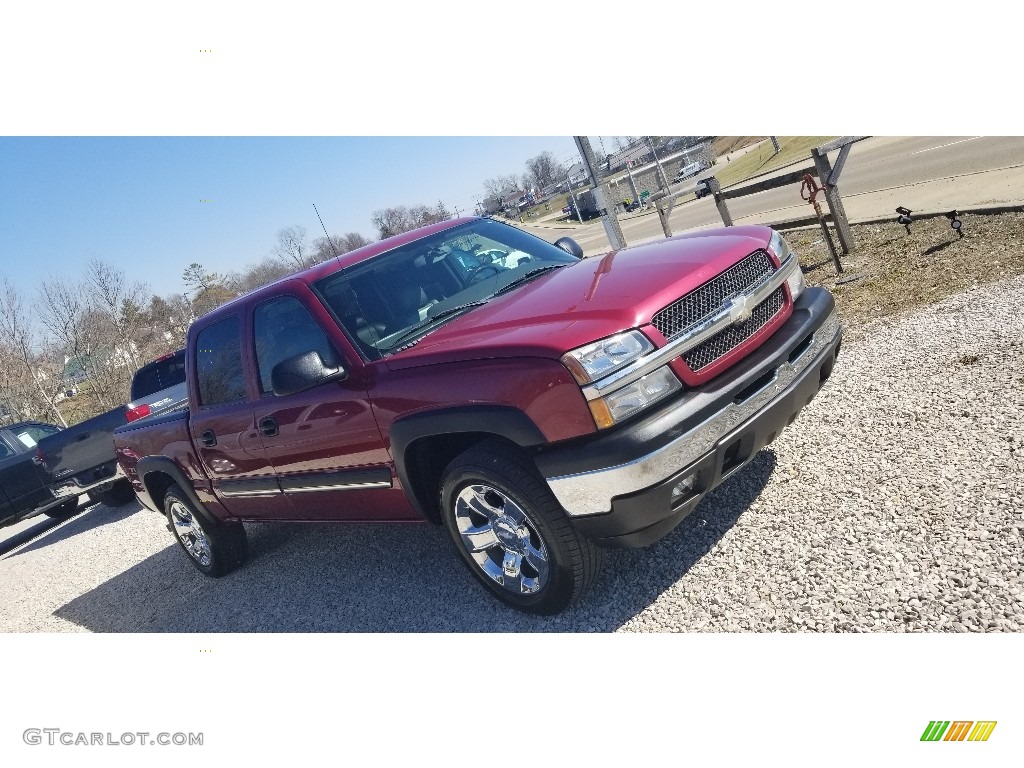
301	372
570	246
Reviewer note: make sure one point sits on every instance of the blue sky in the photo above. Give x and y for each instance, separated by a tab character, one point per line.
136	201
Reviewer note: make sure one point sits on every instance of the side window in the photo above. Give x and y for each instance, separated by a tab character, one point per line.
219	363
284	328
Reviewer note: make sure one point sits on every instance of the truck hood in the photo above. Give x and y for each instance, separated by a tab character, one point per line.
585	301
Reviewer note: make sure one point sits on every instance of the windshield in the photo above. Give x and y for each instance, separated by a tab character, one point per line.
400	296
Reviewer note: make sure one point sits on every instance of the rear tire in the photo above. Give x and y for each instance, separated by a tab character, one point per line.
215	549
511	532
119	494
67	509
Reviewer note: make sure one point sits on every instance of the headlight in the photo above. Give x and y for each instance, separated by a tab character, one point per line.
782	251
597	360
624	402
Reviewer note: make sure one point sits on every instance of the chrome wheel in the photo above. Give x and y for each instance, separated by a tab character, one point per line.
191	535
501	539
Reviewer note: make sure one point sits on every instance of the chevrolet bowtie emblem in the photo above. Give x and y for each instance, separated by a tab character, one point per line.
740	308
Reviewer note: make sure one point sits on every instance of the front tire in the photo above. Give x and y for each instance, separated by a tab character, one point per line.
511	532
215	549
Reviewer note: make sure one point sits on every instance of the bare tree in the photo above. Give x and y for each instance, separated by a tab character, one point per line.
258	275
170	318
393	221
291	246
337	245
545	170
352	240
500	187
19	341
63	309
121	303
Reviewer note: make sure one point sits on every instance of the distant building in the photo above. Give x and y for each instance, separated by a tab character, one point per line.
637	153
74	371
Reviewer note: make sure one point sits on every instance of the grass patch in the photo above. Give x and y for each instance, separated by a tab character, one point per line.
554	205
723	145
899	273
763	159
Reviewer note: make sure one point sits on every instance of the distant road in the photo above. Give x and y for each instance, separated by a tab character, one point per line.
922	173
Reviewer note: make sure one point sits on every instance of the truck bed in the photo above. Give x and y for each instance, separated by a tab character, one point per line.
79	457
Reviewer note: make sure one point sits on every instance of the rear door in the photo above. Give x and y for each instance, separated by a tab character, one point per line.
223	428
323	442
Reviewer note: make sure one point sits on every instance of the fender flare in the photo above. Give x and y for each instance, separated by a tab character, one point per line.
497	420
167	466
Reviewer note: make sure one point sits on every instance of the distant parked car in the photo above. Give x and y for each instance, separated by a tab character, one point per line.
44	468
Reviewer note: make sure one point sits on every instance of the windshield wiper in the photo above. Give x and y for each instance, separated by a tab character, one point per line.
420	329
526	278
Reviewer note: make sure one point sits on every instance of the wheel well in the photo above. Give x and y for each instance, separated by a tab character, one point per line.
427	458
157	484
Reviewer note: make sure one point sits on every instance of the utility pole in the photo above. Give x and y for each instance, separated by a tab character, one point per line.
575	205
661	171
632	181
602	190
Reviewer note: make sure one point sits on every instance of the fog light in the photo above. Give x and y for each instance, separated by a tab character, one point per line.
683	488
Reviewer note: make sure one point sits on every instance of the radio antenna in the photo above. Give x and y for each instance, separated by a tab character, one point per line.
355	296
325	232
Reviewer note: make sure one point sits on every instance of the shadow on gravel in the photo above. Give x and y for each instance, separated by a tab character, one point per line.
87	518
331	578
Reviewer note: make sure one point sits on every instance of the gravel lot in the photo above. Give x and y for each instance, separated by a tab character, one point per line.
892	504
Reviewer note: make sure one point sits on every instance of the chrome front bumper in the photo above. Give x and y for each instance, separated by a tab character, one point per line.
591	492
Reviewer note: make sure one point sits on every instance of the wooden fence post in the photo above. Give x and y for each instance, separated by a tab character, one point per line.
723	209
835	202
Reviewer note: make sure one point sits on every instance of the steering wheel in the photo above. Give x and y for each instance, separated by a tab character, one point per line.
475	275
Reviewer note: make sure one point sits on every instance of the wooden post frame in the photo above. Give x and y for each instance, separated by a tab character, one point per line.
829	176
723	209
664	210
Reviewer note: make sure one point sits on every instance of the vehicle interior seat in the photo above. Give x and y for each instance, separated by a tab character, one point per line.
406	298
368	333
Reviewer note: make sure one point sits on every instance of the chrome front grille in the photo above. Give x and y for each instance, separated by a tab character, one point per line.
725	341
708	298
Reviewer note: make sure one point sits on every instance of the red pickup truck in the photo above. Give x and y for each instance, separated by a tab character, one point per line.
539	405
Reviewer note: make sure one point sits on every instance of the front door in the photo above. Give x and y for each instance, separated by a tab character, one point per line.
323	442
